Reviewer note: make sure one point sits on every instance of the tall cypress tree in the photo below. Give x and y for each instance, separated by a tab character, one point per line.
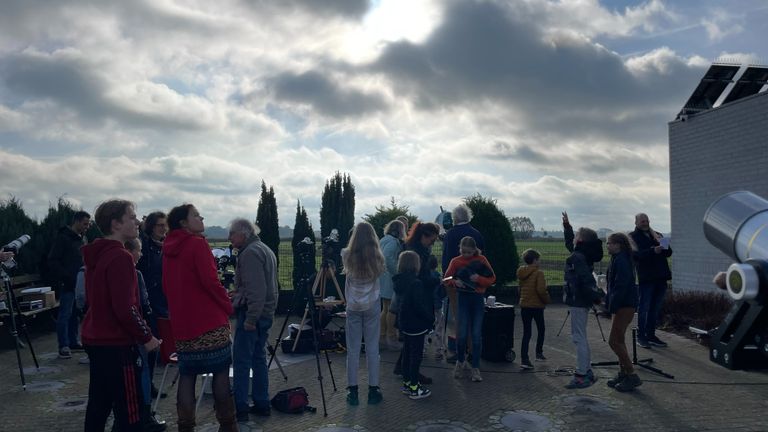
266	219
347	209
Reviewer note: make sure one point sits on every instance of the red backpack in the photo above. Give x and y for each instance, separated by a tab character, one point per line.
292	401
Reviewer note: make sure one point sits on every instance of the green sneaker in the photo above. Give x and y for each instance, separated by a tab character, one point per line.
374	395
352	398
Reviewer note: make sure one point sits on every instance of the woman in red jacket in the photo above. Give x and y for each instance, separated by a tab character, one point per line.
199	309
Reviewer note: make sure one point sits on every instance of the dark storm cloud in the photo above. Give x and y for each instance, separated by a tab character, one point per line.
325	96
488	51
73	83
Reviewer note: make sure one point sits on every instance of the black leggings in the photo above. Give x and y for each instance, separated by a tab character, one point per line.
535	314
412	353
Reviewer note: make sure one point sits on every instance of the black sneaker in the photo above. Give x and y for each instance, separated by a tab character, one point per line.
617	379
540	357
242	417
76	348
374	395
419	392
643	343
65	353
352	398
526	365
261	412
629	383
655	341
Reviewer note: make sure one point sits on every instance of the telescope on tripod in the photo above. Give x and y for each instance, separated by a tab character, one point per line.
737	225
14	313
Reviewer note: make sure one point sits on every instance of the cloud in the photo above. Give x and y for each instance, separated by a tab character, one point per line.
325	96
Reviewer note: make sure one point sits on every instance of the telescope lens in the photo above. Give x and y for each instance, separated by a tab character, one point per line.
735	282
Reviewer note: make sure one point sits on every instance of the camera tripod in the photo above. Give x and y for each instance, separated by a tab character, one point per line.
642	362
14	314
594	312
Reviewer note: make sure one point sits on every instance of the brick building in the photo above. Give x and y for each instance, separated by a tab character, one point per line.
717	144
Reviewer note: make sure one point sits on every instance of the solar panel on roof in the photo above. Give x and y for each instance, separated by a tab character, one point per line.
710	88
750	82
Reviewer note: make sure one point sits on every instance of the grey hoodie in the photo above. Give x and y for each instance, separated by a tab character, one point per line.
256	281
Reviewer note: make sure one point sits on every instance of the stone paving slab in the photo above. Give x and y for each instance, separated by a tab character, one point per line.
703	397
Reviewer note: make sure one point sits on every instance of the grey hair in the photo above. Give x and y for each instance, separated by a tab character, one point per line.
243	225
396	229
462	213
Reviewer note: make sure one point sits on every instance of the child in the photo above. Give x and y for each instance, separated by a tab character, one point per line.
151	422
533	298
363	264
586	249
112	327
414	320
622	301
471	274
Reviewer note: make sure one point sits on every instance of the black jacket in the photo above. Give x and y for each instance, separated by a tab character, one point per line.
622	291
65	259
592	251
151	266
651	267
416	314
579	282
425	273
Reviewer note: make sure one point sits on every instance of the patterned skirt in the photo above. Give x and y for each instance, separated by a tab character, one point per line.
210	352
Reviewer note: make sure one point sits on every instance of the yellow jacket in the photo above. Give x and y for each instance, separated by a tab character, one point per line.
533	287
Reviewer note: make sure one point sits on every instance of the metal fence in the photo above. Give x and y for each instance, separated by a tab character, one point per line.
553	255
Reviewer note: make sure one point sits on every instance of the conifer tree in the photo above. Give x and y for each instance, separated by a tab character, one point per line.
500	246
266	219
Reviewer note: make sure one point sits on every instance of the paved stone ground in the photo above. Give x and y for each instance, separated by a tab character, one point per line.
704	396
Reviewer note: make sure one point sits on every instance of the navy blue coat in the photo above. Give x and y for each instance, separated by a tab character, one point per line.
622	291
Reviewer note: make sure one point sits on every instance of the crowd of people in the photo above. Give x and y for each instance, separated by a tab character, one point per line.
161	270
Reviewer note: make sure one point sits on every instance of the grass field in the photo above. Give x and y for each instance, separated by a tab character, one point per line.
553	255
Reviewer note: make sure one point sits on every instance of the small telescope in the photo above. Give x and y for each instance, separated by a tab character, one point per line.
17	244
14	247
737	224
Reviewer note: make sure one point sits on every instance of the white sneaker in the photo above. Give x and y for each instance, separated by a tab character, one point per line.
84	360
458	370
476	375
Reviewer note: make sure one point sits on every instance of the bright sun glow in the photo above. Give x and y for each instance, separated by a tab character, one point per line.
390	21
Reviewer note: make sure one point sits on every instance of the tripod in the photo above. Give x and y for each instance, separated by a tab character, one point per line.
594	312
318	289
642	362
15	314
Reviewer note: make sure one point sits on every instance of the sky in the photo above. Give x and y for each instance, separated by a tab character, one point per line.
542	105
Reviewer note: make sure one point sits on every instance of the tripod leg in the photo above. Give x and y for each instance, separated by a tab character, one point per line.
273	356
564	321
278	339
599	326
301	325
330	370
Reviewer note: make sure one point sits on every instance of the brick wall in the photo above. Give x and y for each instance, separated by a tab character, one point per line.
710	154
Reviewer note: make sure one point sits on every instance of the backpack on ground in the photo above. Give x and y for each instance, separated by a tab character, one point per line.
292	401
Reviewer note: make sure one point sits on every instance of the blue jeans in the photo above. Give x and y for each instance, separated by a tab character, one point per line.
67	324
363	325
249	354
651	300
469	316
579	337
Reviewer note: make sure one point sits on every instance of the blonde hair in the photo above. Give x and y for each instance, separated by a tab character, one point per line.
362	258
408	261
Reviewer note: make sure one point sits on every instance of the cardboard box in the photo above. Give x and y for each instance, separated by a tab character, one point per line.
48	298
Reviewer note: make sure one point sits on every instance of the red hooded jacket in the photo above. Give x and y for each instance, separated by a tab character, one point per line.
197	302
112	294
